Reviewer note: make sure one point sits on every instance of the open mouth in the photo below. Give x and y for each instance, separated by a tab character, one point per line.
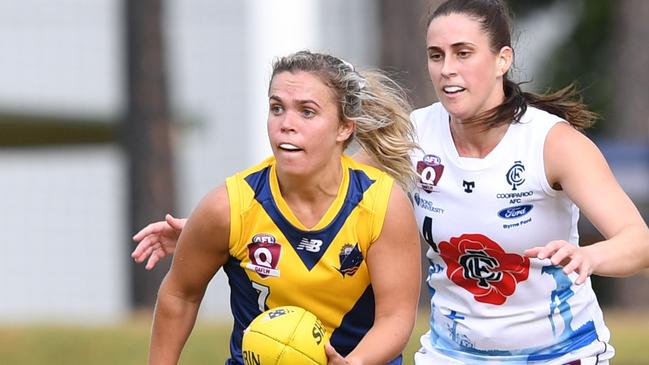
289	147
451	90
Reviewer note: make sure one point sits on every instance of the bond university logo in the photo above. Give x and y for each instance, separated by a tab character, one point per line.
515	176
426	204
350	258
482	267
264	253
430	170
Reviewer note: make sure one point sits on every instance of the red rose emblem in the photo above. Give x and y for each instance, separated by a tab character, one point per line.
482	267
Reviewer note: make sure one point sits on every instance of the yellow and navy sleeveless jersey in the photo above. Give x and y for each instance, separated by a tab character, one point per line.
275	260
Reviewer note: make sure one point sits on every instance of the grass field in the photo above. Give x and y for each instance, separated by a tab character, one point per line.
127	343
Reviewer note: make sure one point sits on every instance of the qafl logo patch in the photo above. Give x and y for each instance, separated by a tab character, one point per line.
350	258
430	170
264	253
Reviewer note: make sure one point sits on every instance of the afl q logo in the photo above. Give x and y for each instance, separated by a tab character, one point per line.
264	253
515	175
430	170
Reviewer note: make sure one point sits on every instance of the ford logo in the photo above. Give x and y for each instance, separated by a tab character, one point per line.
515	212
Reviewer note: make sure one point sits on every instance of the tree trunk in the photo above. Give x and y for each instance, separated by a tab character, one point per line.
403	46
145	134
403	55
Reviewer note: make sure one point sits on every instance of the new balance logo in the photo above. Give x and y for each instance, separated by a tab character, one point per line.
310	245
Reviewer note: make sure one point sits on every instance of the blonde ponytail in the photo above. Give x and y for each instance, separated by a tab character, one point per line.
383	127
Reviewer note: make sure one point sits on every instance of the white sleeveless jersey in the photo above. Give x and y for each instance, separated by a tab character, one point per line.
489	302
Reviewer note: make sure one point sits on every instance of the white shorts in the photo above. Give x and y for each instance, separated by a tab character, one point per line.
429	356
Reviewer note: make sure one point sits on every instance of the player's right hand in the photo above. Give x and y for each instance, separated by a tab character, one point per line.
157	240
334	358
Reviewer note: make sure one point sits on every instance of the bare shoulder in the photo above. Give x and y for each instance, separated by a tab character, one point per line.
203	244
568	151
204	241
213	211
563	135
399	200
208	227
400	218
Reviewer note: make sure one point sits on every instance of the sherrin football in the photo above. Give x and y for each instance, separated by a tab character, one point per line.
285	335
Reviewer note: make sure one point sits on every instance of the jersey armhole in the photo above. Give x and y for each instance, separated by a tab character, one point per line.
380	208
545	185
234	195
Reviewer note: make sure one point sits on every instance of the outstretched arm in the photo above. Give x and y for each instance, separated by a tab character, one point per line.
577	165
157	240
202	250
394	264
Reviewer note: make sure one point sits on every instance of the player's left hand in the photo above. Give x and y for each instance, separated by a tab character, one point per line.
334	358
573	258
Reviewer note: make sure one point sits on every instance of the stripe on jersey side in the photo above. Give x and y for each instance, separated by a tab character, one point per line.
242	303
355	324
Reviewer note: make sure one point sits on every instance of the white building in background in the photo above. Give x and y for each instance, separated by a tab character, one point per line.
64	242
